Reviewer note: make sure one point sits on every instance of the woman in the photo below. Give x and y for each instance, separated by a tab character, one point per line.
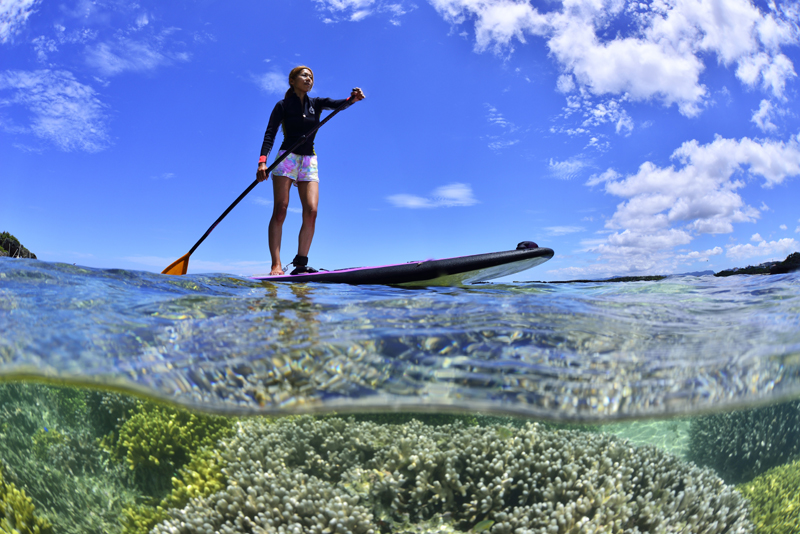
297	113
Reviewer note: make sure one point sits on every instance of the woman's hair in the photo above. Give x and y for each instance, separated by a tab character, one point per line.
293	74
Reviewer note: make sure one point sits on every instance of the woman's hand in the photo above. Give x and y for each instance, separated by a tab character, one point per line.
261	173
357	94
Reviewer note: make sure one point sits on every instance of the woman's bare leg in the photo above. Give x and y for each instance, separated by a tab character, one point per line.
309	198
281	187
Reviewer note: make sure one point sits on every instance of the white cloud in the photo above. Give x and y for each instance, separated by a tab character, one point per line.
699	256
783	227
130	55
564	230
608	174
567	169
763	117
774	249
62	110
504	139
357	10
665	207
273	82
645	51
771	71
13	15
447	196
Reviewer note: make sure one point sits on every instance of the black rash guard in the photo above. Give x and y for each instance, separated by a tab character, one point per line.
296	118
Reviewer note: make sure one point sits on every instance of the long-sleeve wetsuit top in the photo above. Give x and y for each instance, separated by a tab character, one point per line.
297	119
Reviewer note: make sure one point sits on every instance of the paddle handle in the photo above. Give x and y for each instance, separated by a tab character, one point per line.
275	163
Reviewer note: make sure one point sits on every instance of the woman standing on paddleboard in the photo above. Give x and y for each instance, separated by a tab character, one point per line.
298	114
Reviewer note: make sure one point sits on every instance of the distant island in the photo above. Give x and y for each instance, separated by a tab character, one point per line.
10	246
791	263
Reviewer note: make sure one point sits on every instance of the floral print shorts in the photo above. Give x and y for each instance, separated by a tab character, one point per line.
298	168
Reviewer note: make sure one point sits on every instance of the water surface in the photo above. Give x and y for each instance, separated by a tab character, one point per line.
585	351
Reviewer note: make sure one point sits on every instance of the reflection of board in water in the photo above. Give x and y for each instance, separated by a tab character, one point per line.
444	272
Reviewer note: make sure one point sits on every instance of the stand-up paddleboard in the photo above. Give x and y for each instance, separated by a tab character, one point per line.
444	272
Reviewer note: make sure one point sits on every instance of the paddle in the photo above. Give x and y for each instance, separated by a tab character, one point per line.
179	266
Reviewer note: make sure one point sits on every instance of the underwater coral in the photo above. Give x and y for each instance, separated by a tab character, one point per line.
743	444
334	475
17	514
775	500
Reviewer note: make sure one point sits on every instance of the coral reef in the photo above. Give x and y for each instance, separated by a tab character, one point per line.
17	512
775	500
308	475
156	441
48	447
201	477
743	444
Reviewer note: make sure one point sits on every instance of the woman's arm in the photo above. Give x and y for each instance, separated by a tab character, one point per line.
275	120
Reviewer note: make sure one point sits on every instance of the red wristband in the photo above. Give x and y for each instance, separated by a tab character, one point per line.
262	159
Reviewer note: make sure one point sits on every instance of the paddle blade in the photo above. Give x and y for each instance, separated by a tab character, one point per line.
178	267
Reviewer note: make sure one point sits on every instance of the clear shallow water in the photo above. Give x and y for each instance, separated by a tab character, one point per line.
225	344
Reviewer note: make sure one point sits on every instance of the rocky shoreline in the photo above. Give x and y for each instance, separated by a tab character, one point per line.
10	246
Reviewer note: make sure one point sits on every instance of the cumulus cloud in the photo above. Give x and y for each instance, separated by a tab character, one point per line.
646	51
773	249
666	207
762	117
13	15
62	110
698	255
447	196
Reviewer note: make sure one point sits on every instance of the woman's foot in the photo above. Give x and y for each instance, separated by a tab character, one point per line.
276	271
301	265
304	269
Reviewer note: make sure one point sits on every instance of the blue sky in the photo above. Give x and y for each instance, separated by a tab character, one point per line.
631	138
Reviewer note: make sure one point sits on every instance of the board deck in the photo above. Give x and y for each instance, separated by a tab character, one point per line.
444	272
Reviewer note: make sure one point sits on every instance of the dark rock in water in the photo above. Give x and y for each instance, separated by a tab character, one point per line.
791	263
10	246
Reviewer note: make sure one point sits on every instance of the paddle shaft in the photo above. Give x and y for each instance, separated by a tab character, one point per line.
269	169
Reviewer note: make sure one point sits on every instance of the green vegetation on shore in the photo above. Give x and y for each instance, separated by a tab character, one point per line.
10	246
791	263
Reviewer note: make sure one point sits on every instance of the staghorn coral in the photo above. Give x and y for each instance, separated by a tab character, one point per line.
743	444
17	511
774	500
327	475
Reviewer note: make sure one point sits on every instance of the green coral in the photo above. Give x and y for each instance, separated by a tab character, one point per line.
17	513
201	477
69	479
774	500
157	440
43	439
741	445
